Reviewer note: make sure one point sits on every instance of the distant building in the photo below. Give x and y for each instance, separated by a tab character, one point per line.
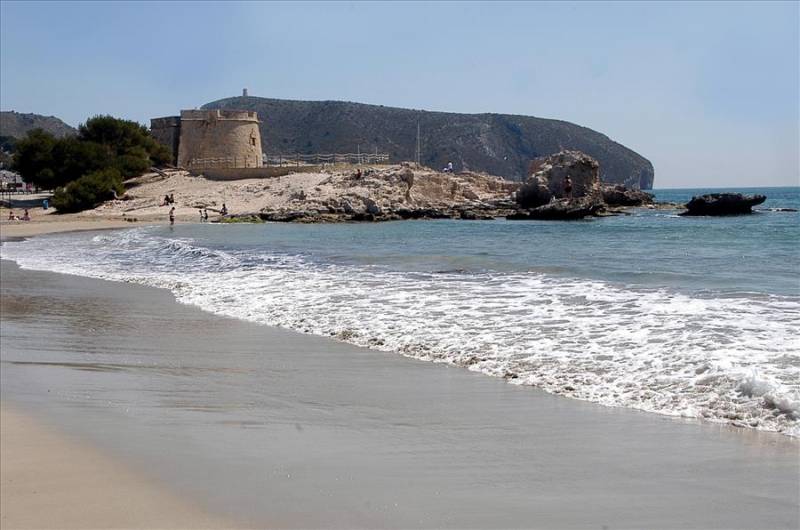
203	139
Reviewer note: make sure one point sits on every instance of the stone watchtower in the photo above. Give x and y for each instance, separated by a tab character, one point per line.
204	139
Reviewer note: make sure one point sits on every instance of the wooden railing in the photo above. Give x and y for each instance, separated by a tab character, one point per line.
325	158
222	162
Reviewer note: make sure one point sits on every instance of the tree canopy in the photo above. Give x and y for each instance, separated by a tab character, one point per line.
106	149
102	142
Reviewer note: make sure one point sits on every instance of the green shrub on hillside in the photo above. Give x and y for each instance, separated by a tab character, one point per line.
88	191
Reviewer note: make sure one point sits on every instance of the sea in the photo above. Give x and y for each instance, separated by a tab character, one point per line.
696	317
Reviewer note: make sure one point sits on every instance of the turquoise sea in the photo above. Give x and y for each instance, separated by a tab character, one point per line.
687	316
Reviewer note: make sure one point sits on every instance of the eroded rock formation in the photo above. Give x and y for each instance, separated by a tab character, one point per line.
548	176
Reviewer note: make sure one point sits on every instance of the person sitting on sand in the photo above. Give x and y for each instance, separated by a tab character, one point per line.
172	216
26	216
165	202
224	210
172	198
11	216
567	187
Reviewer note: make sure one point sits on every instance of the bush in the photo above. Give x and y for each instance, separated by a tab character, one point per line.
88	191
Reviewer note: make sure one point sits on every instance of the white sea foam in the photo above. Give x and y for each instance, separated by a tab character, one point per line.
722	358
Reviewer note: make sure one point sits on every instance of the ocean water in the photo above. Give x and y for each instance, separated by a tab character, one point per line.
694	317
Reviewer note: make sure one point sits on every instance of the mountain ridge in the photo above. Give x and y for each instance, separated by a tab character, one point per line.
17	124
499	144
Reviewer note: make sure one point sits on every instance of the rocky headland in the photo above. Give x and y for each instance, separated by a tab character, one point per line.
381	193
496	144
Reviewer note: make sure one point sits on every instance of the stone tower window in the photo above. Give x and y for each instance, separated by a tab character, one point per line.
252	141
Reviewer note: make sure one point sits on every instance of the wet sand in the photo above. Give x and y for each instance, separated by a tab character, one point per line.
273	428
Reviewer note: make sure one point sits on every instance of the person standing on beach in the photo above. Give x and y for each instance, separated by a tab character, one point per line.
567	187
200	210
172	216
205	215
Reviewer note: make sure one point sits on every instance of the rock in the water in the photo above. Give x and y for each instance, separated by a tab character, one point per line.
547	176
622	196
559	210
723	204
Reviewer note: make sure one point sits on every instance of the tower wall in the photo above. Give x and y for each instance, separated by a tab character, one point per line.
219	139
167	132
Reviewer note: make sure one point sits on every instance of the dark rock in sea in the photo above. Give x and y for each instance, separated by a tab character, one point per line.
622	196
723	204
559	210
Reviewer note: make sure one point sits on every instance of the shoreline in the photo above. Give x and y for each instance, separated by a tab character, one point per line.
425	432
332	404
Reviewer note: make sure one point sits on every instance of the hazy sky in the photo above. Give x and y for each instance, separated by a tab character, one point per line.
707	91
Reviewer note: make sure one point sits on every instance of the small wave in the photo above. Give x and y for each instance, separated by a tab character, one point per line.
729	358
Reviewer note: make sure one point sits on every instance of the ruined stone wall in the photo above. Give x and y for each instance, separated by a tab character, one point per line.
167	132
219	139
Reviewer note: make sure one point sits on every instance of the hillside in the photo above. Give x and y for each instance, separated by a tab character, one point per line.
499	144
17	125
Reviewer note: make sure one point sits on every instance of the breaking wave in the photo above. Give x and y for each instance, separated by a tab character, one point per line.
730	357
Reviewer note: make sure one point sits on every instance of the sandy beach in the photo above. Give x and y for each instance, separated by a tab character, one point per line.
51	480
272	428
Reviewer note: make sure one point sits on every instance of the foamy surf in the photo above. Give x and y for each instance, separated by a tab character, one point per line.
720	357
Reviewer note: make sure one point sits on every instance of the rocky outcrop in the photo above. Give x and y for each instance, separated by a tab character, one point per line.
723	204
498	144
548	177
622	196
560	210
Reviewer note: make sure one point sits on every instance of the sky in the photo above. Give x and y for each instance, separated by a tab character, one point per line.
708	92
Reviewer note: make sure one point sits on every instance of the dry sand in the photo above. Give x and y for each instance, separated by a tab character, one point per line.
50	480
47	221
